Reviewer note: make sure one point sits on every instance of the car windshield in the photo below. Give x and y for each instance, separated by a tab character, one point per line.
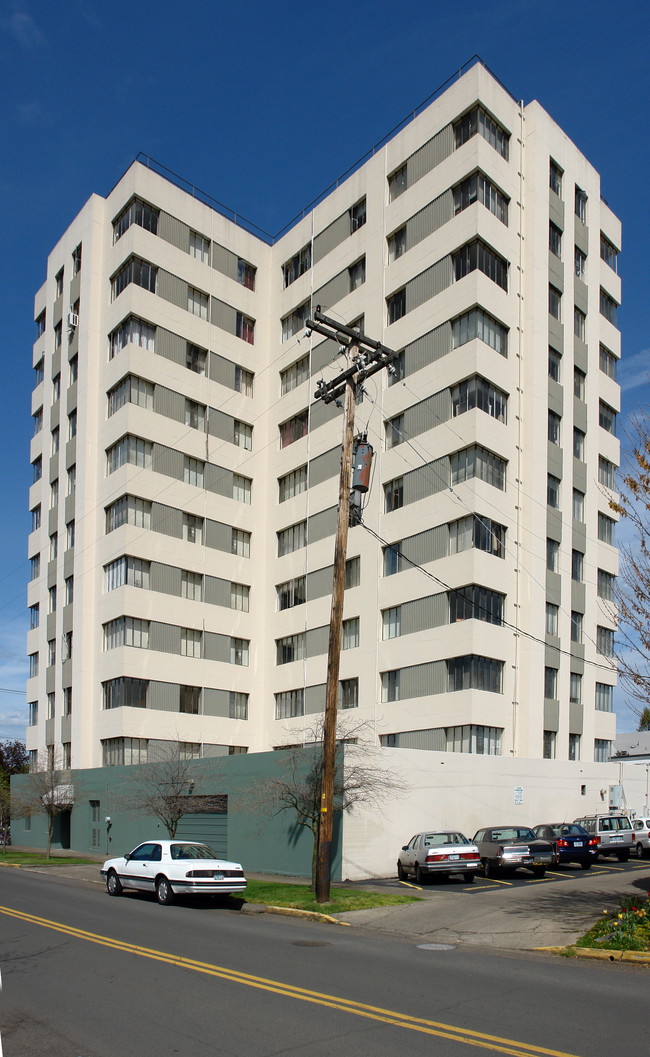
192	851
513	833
566	830
435	840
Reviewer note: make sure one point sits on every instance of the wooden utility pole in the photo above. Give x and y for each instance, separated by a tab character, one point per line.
367	357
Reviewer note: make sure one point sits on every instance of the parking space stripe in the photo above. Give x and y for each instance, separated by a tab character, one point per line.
466	1036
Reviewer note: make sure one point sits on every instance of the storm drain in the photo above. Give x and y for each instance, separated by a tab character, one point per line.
436	947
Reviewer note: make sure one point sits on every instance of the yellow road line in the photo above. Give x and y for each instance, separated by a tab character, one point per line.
409	885
346	1005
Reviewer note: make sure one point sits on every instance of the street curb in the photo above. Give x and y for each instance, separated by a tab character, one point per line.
308	915
603	955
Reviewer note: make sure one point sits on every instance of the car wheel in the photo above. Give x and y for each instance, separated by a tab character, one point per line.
539	871
489	868
420	878
113	884
586	864
469	878
640	852
164	892
401	872
623	856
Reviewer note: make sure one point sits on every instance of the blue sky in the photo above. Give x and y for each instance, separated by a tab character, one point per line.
262	106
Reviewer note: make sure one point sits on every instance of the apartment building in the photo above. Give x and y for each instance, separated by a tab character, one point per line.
185	479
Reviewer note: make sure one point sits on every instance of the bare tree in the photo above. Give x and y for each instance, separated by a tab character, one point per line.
47	791
164	788
633	592
296	787
13	760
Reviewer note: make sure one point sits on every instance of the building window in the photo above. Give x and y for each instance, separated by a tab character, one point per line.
195	415
51	705
245	328
39	372
192	529
241	543
475	603
243	381
72	424
577	566
395	431
73	370
350	634
69	590
199	247
555	178
581	205
475	673
197	302
294	428
133	331
126	570
237	705
133	451
70	530
191	585
293	376
56	387
357	215
608	253
131	390
397	183
393	560
352	573
296	266
33	665
397	244
391	620
477	188
550	684
357	274
578	505
396	305
478	532
608	362
580	264
37	470
608	308
290	703
36	517
553	485
190	700
66	652
477	120
54	493
390	686
349	693
34	567
606	529
242	435
579	383
394	495
241	489
550	738
54	546
607	417
607	473
240	597
190	642
291	593
576	626
40	327
554	427
478	462
137	212
578	444
554	239
479	324
32	713
136	271
33	616
124	751
604	697
552	556
126	631
606	585
551	619
196	359
38	425
477	392
554	302
579	323
292	484
54	438
296	320
58	336
292	538
193	471
602	750
291	648
478	255
575	688
67	701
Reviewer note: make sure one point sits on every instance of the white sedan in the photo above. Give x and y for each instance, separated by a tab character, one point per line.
438	852
173	867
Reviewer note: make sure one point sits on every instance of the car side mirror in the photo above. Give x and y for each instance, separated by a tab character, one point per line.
127	856
405	847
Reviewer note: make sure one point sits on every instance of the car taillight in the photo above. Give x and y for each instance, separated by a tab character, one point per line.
594	842
440	857
563	844
470	855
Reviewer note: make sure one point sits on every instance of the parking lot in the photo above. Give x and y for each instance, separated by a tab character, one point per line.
518	879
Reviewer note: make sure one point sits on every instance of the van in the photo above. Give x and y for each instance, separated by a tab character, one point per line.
614	833
641	828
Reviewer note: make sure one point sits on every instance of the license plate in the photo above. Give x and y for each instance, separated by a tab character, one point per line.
539	862
218	876
578	844
616	840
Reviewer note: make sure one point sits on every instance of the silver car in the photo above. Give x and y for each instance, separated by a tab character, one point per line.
641	836
614	833
439	853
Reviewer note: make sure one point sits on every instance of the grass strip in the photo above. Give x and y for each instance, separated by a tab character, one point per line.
301	897
28	858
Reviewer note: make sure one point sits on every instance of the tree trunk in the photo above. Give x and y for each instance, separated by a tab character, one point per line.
50	833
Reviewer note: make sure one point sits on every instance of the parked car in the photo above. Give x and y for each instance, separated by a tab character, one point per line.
641	836
571	842
507	847
439	853
614	833
170	868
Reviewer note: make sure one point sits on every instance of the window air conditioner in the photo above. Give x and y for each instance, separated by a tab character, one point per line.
73	319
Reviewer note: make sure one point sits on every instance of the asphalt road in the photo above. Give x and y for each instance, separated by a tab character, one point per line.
84	975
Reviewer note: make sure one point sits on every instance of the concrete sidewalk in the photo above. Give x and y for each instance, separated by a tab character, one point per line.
551	913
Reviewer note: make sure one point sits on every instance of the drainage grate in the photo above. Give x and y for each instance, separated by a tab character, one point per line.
436	947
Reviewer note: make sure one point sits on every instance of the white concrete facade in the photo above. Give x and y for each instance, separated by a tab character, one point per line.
163	646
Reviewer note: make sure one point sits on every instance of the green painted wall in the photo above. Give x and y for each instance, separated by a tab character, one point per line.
261	843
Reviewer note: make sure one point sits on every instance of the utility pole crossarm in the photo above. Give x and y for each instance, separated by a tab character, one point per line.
372	355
